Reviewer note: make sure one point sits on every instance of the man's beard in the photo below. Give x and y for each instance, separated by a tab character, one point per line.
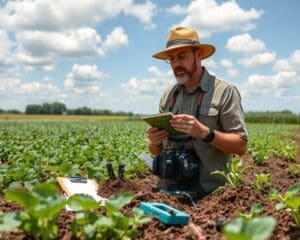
188	74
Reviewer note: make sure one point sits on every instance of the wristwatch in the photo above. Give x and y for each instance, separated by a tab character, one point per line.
210	136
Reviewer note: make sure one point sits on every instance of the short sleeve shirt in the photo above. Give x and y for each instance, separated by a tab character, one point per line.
220	109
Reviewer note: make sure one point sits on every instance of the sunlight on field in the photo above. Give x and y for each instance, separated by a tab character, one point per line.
24	117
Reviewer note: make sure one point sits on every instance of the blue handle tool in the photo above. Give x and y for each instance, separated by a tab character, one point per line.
165	213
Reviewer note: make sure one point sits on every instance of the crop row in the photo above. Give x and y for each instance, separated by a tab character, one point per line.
33	152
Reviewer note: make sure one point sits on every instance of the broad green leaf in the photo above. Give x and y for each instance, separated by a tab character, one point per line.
260	228
233	229
9	221
45	190
294	189
25	199
82	202
104	222
52	208
118	202
293	203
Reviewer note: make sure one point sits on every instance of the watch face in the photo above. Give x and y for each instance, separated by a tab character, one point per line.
210	136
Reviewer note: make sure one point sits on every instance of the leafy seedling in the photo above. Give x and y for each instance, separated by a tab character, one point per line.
42	207
290	201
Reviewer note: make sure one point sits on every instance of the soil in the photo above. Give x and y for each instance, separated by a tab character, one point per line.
210	212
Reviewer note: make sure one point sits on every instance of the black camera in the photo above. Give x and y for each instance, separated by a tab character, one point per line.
176	163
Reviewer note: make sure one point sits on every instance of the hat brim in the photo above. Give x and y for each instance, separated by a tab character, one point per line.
207	50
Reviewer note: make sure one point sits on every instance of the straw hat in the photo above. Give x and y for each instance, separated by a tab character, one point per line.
184	37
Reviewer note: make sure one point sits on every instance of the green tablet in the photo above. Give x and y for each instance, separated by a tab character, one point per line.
161	120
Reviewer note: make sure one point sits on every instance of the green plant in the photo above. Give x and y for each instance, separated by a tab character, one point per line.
289	201
42	207
249	226
262	181
113	225
255	211
259	228
294	169
234	176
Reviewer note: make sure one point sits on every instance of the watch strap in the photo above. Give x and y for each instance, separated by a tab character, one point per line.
210	136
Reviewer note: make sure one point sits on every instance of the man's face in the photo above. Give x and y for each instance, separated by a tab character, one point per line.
184	64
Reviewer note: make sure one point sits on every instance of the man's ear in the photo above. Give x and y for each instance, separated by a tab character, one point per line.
199	54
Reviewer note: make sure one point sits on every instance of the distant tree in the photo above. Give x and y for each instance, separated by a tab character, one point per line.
83	111
58	108
107	112
33	109
46	108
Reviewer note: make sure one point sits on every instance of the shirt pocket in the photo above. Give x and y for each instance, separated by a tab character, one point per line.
209	116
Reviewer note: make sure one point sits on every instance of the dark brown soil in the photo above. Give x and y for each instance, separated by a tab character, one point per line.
211	211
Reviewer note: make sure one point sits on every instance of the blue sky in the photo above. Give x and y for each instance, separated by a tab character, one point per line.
98	53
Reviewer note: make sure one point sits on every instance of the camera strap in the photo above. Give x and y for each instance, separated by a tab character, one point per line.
175	94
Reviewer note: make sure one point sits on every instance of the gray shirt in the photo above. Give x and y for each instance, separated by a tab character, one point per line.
220	109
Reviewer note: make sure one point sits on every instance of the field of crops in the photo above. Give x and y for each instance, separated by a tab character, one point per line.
32	152
39	151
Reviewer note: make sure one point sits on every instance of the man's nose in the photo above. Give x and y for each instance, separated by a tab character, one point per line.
175	63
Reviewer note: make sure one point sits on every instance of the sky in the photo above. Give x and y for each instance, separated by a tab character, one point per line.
98	53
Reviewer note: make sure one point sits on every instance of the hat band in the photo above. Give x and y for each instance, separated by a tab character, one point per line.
180	42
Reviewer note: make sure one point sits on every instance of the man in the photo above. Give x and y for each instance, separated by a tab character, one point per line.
206	108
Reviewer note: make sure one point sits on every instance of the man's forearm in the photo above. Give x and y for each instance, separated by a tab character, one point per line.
230	143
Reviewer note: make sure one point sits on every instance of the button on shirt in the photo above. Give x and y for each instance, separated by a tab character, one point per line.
220	109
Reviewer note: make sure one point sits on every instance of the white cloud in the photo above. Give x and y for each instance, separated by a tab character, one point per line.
84	79
210	17
295	58
282	65
79	43
281	79
146	91
226	63
177	10
292	63
41	49
31	63
259	59
160	74
6	57
64	14
36	88
244	43
232	72
8	84
278	91
144	12
154	85
116	39
210	63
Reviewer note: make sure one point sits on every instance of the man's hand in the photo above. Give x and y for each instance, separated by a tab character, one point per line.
156	136
190	125
226	142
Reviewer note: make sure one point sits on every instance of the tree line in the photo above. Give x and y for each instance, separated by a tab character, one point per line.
58	108
285	116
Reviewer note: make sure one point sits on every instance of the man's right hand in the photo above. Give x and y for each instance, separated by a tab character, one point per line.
156	137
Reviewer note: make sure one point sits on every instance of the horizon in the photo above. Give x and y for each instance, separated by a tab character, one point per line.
98	54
